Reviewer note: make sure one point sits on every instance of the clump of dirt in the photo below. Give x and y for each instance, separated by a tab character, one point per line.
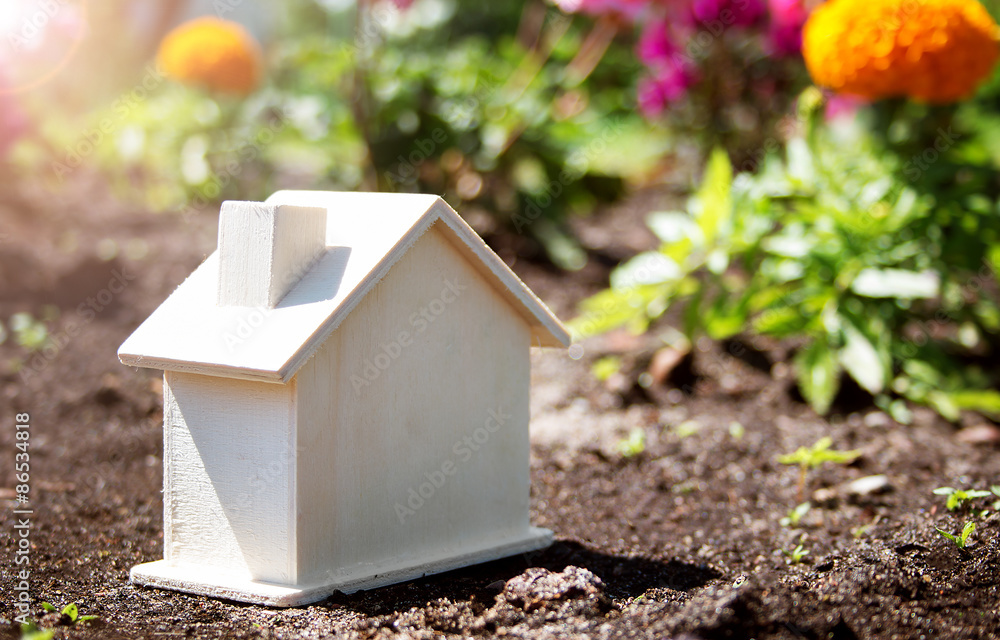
681	538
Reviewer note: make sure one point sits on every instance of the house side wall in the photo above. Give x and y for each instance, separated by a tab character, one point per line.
413	423
228	475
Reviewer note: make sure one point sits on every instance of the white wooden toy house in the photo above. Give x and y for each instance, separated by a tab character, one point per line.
345	400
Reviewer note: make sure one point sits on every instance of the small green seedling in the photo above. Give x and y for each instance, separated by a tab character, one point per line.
796	555
606	367
634	444
687	428
795	515
961	540
957	497
811	457
30	631
736	430
995	489
30	333
71	611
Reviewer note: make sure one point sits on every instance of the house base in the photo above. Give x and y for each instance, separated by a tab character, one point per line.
205	581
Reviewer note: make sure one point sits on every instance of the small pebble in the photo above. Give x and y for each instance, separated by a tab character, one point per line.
868	485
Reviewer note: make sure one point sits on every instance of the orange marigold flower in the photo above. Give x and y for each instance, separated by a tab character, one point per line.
935	51
213	53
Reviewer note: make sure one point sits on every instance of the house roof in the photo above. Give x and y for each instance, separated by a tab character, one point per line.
367	233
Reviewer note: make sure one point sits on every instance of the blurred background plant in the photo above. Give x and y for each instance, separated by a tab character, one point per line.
522	114
716	72
501	108
858	223
871	242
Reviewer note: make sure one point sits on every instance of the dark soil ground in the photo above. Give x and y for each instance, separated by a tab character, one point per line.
682	540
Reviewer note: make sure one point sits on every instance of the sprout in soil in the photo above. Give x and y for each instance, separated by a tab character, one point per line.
795	515
30	631
961	540
957	497
634	444
995	489
811	457
70	615
796	555
70	611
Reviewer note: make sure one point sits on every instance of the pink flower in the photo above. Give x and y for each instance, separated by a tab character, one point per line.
655	44
785	32
742	13
657	92
842	106
672	72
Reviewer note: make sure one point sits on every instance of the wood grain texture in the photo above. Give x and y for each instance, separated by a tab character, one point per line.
363	424
229	469
422	391
206	581
265	249
366	235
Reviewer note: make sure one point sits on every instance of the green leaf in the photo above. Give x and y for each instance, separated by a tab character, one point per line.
954	501
795	515
819	453
634	444
985	401
651	267
724	319
87	618
800	162
789	246
943	404
861	360
562	248
780	322
606	310
606	367
34	633
693	320
949	536
71	611
714	206
48	607
673	226
818	374
896	283
687	428
966	532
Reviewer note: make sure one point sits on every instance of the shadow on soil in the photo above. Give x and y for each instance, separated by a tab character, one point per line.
623	577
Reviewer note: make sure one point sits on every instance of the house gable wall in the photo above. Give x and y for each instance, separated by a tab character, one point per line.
413	422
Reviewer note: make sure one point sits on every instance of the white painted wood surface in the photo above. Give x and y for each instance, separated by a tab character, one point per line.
265	249
419	405
229	476
370	428
411	450
366	235
208	581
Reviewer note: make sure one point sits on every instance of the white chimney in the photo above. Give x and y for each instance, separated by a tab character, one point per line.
265	249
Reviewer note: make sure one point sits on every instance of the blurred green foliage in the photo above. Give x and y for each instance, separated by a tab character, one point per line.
875	253
479	103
